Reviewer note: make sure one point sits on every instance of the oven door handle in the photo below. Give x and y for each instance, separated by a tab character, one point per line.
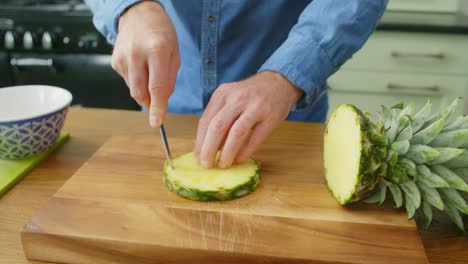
21	63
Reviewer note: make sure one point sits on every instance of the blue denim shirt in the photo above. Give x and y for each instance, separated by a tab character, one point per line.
225	41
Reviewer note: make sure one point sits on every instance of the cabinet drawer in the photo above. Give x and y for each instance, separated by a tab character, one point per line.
401	83
372	102
368	90
448	6
413	52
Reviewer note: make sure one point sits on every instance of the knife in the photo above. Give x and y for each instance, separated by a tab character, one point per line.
162	131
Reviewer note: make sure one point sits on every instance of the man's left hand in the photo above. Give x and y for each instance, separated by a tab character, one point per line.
241	115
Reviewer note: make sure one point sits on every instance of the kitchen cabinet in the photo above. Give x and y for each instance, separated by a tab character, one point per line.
440	6
395	51
400	66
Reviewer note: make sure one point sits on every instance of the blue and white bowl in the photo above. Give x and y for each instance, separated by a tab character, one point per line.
31	118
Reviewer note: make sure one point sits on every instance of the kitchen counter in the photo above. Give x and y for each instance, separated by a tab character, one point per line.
91	127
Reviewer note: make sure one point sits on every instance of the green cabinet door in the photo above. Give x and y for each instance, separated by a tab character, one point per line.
368	90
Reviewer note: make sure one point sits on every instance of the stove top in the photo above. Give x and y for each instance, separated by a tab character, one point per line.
44	5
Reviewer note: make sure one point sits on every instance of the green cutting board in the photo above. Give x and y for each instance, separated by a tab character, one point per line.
11	171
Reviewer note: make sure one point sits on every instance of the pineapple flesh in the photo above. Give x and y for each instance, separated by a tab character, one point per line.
418	158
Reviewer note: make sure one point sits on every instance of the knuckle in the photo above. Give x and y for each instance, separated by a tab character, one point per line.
158	43
218	125
137	83
203	123
238	97
134	53
116	61
222	88
260	106
156	87
239	131
221	91
136	94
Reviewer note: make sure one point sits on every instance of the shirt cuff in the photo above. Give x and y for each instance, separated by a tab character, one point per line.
113	13
305	64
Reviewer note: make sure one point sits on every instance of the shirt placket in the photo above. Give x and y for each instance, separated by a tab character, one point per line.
209	45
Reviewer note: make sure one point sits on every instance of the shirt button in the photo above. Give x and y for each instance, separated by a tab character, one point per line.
211	18
209	61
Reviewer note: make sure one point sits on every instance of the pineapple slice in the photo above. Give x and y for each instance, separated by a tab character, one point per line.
194	182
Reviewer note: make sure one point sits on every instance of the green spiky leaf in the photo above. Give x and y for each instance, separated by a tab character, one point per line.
451	196
450	177
398	106
405	134
385	113
427	213
430	195
454	214
446	113
392	131
453	139
392	158
426	135
420	118
433	181
460	122
396	193
412	198
463	173
421	154
398	174
408	165
401	147
378	196
446	154
458	162
424	170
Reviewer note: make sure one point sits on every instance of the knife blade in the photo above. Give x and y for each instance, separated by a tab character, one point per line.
162	131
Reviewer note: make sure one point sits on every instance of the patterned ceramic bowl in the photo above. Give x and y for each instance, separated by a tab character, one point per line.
31	118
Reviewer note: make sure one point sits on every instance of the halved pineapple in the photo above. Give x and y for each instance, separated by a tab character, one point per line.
420	158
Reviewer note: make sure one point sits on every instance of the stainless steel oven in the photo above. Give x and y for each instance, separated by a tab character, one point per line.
54	42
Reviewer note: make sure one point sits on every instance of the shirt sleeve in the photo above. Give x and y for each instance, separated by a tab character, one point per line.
106	14
327	34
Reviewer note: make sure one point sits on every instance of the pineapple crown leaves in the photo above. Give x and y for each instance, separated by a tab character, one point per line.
425	157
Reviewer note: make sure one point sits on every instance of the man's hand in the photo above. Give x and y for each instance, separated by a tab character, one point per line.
240	115
146	55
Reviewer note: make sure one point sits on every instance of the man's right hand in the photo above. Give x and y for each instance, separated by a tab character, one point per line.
146	55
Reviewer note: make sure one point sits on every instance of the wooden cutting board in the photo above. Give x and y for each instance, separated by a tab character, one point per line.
116	209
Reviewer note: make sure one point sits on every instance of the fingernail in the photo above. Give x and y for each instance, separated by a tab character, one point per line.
205	164
155	121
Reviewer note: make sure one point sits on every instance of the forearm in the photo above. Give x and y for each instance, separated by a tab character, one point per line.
327	34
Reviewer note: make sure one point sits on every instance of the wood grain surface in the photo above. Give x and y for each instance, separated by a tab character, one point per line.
90	128
117	209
